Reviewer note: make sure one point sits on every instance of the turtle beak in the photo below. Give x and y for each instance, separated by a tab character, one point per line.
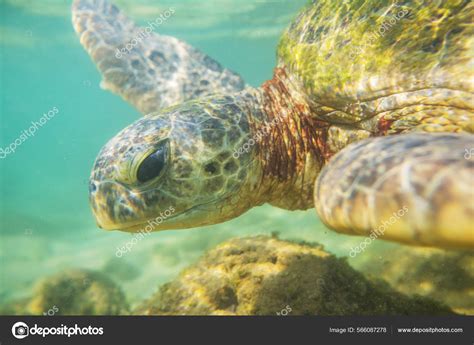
112	205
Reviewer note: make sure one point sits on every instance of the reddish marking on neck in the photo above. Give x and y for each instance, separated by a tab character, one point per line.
295	132
383	126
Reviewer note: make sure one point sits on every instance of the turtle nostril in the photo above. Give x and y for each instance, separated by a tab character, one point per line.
92	187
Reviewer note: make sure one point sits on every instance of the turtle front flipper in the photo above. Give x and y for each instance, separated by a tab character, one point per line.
149	70
413	188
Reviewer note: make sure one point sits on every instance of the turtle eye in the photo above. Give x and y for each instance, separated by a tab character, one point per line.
153	165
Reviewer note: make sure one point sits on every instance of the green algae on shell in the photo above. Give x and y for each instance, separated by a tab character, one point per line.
318	44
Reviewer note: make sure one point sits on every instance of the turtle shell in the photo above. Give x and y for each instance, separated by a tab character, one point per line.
358	58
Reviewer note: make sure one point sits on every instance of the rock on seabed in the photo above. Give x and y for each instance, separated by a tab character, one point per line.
267	276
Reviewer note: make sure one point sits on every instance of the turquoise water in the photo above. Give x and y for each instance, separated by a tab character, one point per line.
46	223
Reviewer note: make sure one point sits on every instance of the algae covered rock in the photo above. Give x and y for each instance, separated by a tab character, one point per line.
78	292
444	275
15	307
266	276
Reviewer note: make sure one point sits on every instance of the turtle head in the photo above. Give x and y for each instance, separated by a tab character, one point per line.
175	169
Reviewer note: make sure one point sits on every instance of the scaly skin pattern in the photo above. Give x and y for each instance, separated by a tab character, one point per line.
411	188
376	64
158	70
202	180
226	153
216	166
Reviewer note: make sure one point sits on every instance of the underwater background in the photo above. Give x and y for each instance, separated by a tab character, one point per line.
46	225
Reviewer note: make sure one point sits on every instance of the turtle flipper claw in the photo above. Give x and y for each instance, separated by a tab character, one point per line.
149	70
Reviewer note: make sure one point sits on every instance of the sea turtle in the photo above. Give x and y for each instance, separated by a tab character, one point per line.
354	123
